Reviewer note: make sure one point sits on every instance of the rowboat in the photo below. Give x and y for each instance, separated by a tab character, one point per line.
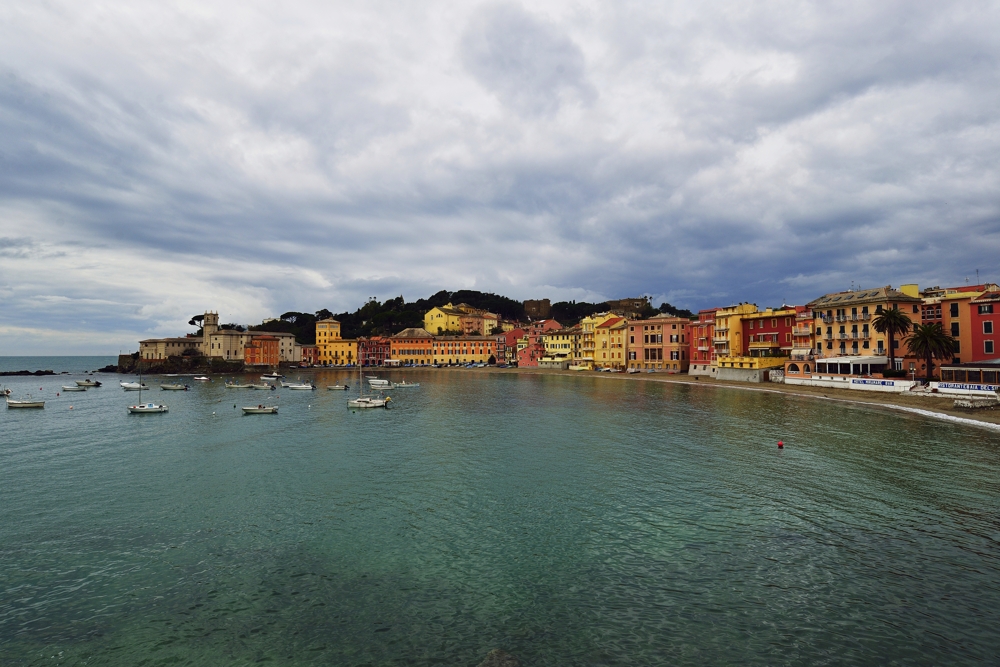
301	386
236	385
404	384
11	403
73	387
174	387
88	383
338	387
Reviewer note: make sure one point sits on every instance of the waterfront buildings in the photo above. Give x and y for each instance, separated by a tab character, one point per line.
659	343
702	350
374	350
450	350
261	351
984	316
609	343
412	346
331	348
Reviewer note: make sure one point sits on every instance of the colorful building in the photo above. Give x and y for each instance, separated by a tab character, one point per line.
609	343
728	331
951	308
340	352
307	354
443	319
506	345
412	346
452	350
843	323
660	343
701	347
984	317
261	351
563	344
588	330
374	350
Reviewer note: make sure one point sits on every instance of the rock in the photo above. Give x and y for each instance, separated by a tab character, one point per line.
500	658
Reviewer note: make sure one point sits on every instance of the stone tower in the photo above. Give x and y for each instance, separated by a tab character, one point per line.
208	327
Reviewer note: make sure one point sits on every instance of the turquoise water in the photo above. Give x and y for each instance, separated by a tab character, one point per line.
569	520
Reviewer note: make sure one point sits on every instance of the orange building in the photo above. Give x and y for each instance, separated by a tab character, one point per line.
412	346
261	351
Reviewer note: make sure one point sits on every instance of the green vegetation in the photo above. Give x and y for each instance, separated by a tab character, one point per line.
929	342
892	323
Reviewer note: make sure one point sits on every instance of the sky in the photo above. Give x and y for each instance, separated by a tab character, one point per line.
161	159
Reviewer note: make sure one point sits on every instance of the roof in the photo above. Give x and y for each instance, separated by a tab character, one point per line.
988	297
835	299
614	321
413	332
196	340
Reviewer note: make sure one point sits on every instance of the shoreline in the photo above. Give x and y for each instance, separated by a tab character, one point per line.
924	405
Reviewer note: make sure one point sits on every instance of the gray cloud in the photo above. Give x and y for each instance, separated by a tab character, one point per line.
257	160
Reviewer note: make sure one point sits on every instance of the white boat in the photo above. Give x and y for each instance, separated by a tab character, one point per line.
73	387
262	385
88	383
27	403
404	384
272	376
202	379
376	382
261	410
285	385
141	408
338	387
301	386
174	387
134	386
237	385
365	402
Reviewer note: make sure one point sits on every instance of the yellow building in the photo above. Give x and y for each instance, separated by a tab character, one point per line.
768	339
448	350
728	337
609	343
564	343
588	326
442	319
331	349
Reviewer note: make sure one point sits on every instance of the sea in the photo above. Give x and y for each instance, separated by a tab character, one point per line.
570	520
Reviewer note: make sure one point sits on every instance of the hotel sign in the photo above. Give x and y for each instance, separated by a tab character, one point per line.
880	383
967	387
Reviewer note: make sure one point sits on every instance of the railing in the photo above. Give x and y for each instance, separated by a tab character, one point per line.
803	357
841	318
828	319
721	329
842	336
764	343
828	336
718	340
703	348
802	332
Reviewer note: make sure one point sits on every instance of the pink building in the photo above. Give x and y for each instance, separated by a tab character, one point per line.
374	351
528	356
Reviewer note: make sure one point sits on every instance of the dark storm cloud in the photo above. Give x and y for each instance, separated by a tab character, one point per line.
172	158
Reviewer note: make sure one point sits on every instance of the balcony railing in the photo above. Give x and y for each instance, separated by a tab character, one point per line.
828	319
703	348
720	339
764	344
802	332
721	329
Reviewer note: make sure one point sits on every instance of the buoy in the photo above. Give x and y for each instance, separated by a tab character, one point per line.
71	407
57	393
781	445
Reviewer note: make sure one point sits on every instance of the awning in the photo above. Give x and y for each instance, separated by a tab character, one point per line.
853	360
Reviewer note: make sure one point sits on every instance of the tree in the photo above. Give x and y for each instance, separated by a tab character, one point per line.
931	341
892	323
323	314
196	320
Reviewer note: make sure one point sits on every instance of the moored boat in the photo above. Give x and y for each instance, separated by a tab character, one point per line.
301	386
261	410
27	403
261	385
275	375
134	386
88	383
144	408
404	384
73	387
237	385
202	379
338	387
174	387
375	382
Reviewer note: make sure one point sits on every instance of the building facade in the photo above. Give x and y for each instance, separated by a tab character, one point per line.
262	351
984	317
452	350
702	349
609	343
660	343
412	346
374	350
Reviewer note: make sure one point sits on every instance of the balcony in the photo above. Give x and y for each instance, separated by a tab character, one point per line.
828	336
720	340
841	318
721	329
764	344
827	319
802	332
803	357
703	348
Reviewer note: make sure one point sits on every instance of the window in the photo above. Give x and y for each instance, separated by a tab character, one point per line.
988	347
916	309
954	310
986	309
954	328
774	324
988	327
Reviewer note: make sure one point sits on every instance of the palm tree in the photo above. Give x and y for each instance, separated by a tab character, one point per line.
892	323
930	341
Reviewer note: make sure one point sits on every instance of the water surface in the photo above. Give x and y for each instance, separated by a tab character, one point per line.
570	520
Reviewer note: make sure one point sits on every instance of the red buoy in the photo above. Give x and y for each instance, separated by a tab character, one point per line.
781	445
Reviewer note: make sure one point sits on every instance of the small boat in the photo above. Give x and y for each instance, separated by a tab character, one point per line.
376	382
73	387
301	386
202	379
144	408
272	376
338	387
134	386
88	383
5	392
261	410
237	385
404	384
141	408
633	371
369	402
285	385
262	385
27	403
174	387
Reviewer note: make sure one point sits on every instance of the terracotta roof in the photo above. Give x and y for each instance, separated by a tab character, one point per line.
611	322
413	332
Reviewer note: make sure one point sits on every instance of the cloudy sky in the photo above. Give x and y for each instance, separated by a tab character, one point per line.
158	159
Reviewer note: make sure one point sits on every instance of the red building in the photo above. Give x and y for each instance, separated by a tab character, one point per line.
768	333
702	351
507	346
984	317
309	354
528	356
261	351
374	351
